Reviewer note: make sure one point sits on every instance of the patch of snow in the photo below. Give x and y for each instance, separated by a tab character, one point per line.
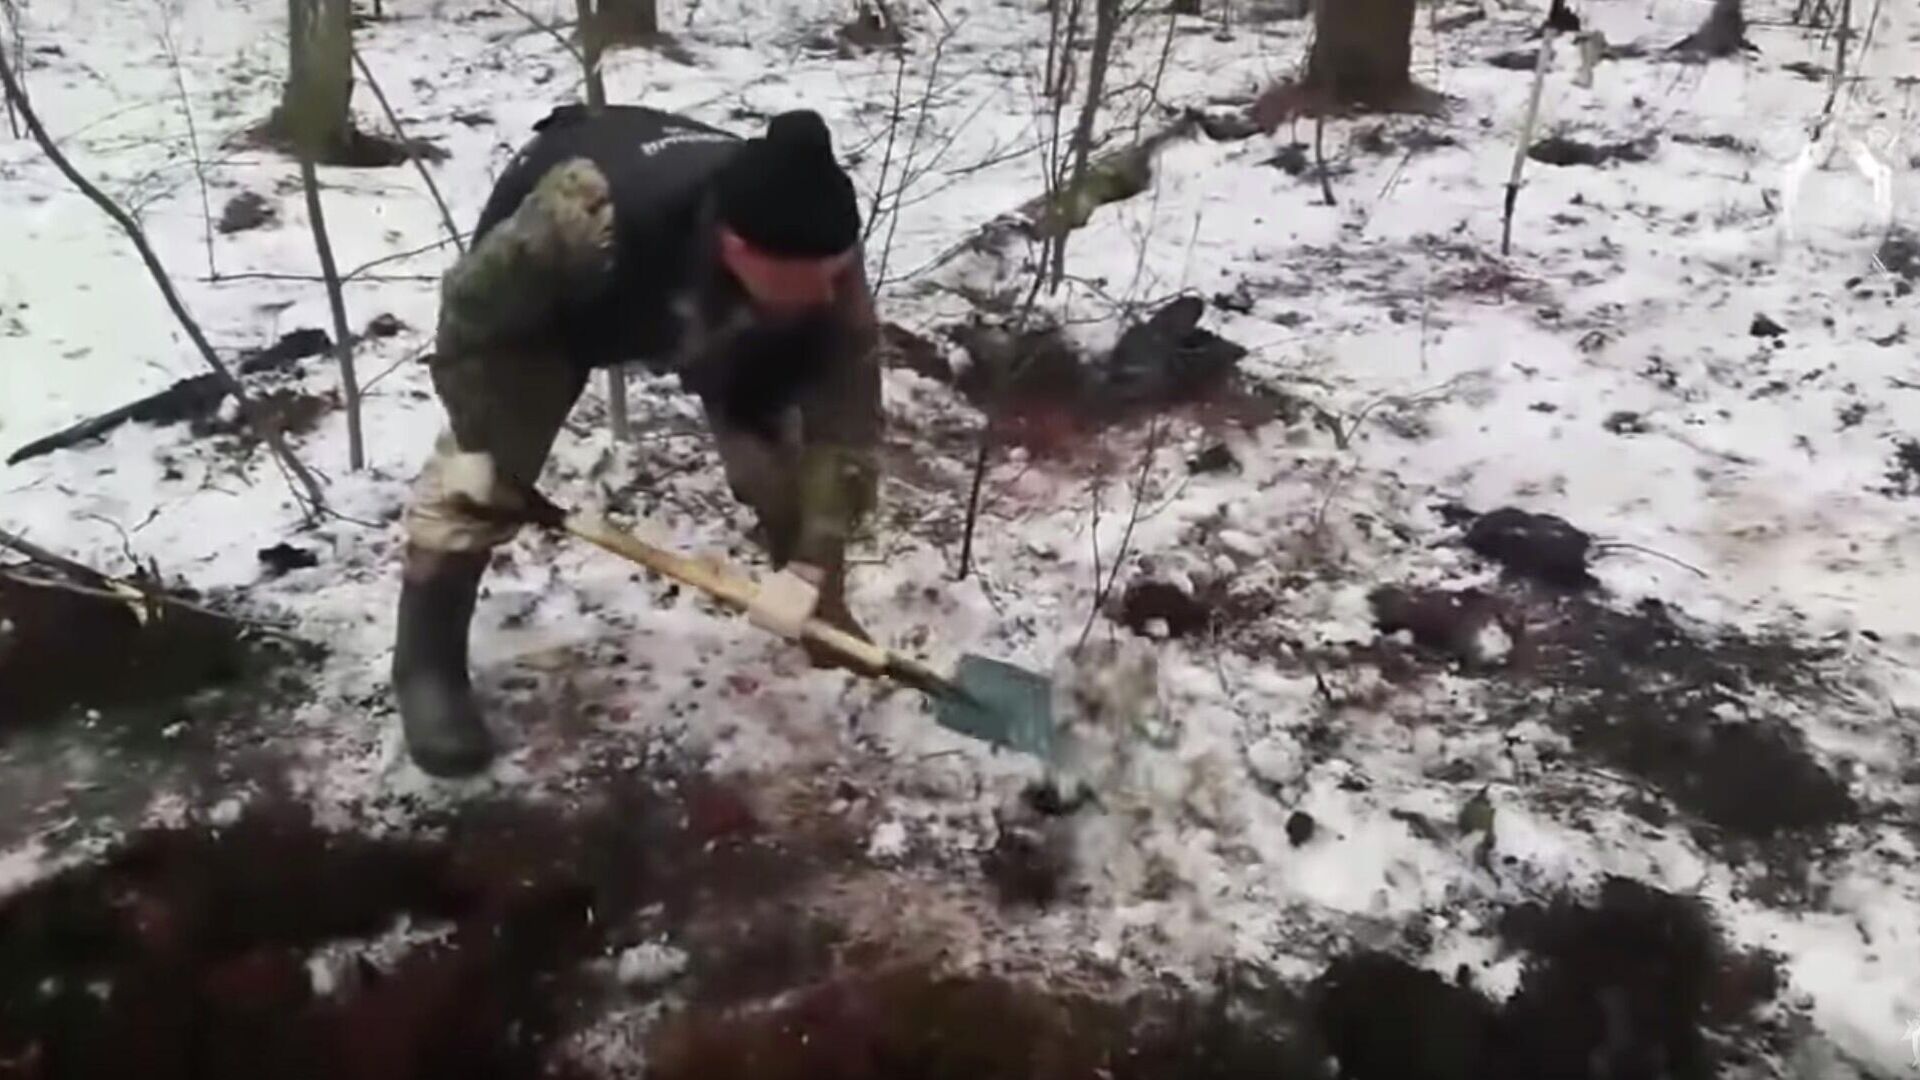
650	964
889	841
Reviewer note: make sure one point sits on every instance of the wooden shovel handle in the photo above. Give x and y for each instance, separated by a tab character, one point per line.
730	589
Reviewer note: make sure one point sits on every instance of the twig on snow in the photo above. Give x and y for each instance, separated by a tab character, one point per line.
1147	459
1622	545
193	133
262	423
981	456
549	29
400	133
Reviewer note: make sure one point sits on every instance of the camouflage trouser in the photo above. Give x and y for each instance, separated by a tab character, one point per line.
511	406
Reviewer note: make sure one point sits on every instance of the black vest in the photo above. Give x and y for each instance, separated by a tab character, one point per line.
657	166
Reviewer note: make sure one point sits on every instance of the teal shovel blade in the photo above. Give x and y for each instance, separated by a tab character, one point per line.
999	703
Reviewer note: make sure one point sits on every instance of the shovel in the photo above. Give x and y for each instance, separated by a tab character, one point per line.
985	699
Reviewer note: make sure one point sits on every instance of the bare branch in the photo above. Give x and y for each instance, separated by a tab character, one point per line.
980	459
262	423
193	134
591	54
1147	457
342	336
549	29
419	162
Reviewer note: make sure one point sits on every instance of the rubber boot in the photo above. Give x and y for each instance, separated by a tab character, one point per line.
833	610
445	733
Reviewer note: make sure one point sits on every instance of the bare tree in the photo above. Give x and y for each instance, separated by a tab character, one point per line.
1106	27
628	20
1362	59
1363	51
316	100
14	39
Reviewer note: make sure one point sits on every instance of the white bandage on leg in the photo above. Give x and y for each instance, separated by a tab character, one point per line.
471	475
434	519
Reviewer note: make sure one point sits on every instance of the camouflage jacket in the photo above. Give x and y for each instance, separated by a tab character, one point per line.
653	291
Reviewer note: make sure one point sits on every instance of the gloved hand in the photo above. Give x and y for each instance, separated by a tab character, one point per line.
786	600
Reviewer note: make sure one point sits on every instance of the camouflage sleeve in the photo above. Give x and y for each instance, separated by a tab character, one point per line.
509	287
841	424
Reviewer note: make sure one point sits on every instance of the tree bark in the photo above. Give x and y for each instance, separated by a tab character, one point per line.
628	20
1362	51
315	104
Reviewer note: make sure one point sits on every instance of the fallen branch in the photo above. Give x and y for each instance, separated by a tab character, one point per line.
94	583
186	399
305	482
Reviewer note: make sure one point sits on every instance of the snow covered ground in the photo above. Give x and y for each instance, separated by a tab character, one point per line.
1607	371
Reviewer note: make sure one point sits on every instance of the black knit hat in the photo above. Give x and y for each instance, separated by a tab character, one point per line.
785	194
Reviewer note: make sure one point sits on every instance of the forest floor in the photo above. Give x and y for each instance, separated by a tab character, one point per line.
1512	656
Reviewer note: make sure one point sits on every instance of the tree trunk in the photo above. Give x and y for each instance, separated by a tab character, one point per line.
629	20
315	104
1362	51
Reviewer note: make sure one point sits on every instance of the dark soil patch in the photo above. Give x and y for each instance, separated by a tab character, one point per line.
1211	608
919	1024
1903	473
245	211
137	664
185	953
1672	705
284	558
356	149
1540	548
292	412
1042	393
1636	986
1379	139
1515	59
1455	625
1899	255
1563	151
902	348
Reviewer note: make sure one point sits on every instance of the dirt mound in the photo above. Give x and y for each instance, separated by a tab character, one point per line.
199	952
918	1024
1636	986
1632	987
1043	393
1692	711
135	663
